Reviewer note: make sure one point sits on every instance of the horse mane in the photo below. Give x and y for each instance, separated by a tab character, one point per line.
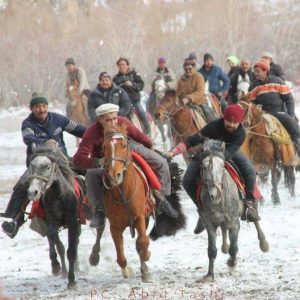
170	92
56	156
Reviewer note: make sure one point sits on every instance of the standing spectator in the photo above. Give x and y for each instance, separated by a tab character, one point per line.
132	83
107	91
275	69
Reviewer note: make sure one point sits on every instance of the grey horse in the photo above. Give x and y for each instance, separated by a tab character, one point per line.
222	206
51	182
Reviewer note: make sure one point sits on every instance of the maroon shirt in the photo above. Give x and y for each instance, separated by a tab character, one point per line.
90	148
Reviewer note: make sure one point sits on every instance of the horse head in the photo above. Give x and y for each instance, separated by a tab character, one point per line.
253	113
212	169
160	88
116	154
167	104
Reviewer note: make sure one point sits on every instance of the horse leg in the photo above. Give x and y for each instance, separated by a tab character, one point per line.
263	244
142	244
233	249
290	179
275	180
212	253
55	265
95	257
61	251
225	245
117	236
73	230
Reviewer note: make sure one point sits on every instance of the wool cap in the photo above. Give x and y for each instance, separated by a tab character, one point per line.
38	98
267	54
162	60
188	62
70	61
234	113
104	75
192	55
233	59
207	56
263	64
106	108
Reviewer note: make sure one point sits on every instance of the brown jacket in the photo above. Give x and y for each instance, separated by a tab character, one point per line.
192	88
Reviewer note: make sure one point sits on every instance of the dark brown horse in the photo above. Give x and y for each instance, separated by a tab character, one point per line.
261	149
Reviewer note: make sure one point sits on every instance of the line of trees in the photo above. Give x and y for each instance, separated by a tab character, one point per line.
37	36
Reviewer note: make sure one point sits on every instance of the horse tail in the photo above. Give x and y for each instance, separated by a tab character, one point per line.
166	226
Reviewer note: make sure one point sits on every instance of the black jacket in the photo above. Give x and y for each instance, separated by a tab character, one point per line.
216	130
115	95
276	70
137	84
272	95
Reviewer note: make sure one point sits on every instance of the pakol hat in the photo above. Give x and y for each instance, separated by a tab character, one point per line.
106	108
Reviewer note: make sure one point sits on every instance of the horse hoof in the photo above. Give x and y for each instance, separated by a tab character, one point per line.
72	285
225	248
147	278
94	259
231	262
56	269
206	278
127	272
264	246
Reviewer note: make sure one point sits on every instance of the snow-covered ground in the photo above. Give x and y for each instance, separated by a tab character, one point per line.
176	262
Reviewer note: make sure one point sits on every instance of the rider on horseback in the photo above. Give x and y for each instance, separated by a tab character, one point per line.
89	154
230	130
107	91
276	98
165	73
191	87
39	128
132	83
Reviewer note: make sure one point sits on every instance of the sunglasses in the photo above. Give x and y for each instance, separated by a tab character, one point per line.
188	69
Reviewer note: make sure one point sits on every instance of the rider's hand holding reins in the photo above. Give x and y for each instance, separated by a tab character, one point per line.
185	101
52	143
180	148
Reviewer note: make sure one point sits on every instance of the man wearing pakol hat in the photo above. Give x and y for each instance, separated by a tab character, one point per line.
165	73
275	69
107	91
229	130
233	64
276	98
89	154
39	128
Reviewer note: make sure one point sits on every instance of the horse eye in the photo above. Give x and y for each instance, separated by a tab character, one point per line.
48	168
124	146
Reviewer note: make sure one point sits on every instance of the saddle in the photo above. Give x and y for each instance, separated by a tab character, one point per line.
280	136
149	178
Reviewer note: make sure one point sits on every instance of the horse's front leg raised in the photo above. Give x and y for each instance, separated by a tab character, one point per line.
142	244
73	230
212	253
117	236
95	256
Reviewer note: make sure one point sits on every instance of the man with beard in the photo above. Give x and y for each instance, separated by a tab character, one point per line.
108	92
39	128
229	130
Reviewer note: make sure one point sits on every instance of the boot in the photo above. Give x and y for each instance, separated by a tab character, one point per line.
12	228
250	211
200	226
98	219
165	206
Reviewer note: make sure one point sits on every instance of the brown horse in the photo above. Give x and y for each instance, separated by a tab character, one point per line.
125	199
76	107
261	149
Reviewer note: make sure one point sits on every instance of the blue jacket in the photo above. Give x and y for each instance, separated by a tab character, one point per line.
36	133
214	76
